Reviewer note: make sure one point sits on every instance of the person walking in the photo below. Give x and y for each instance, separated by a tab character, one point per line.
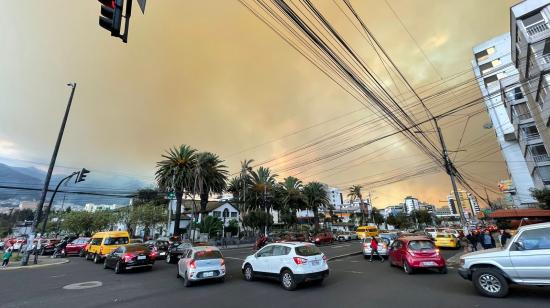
504	236
487	241
6	257
472	238
374	249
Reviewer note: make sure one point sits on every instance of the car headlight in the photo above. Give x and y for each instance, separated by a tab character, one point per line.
462	261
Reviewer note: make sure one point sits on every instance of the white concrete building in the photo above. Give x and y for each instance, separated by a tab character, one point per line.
496	75
334	195
411	204
392	210
91	207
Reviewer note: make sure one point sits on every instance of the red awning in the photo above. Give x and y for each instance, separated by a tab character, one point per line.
520	213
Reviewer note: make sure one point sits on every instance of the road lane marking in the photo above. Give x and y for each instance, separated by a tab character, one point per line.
57	276
353	272
232	258
339	246
83	285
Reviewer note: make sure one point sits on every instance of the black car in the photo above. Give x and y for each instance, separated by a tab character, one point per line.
129	257
160	247
176	250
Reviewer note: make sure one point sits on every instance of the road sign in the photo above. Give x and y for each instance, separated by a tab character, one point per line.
142	5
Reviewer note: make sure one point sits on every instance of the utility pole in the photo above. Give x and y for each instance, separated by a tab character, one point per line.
451	172
40	205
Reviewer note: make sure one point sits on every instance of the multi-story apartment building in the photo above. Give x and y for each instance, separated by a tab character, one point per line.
530	51
393	210
469	204
411	204
505	101
334	195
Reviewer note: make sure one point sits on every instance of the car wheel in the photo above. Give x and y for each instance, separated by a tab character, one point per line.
248	272
97	259
82	253
178	273
169	258
287	280
443	270
105	264
186	282
365	256
490	282
407	268
118	268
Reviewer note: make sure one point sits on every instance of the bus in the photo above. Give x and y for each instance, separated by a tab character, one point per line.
367	231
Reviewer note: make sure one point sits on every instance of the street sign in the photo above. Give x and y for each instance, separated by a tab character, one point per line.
142	5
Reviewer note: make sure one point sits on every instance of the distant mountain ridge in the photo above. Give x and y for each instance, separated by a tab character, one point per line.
31	177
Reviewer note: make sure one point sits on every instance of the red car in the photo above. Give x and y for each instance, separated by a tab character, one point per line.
414	252
76	247
323	238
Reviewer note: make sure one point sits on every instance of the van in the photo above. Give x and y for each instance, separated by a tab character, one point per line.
367	231
102	243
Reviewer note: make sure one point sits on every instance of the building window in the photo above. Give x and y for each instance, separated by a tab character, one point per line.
514	94
233	214
216	214
529	131
535	24
538	152
484	55
544	173
521	111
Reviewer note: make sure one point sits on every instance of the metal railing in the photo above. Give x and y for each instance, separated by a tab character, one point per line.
541	157
538	28
546	58
531	136
524	116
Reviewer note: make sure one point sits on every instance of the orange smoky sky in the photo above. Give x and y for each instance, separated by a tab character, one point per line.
210	74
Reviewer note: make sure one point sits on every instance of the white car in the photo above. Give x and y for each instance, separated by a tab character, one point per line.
201	263
291	263
346	236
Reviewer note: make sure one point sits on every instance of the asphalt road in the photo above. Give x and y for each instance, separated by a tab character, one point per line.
353	282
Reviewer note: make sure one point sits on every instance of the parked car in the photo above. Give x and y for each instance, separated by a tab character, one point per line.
446	240
323	238
19	243
414	252
128	257
201	263
48	246
346	236
289	263
176	250
136	241
76	247
102	243
383	245
158	246
525	260
289	237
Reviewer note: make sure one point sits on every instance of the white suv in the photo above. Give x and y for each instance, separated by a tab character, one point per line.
525	260
291	263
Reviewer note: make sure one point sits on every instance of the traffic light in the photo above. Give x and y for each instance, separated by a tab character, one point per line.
111	16
81	177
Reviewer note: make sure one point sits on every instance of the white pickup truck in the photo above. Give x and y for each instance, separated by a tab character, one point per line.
525	260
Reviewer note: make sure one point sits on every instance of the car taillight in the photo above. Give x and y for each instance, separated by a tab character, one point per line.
437	252
153	254
317	239
127	257
365	245
300	261
100	250
192	264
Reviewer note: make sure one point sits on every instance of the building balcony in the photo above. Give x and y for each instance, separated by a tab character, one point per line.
537	30
541	158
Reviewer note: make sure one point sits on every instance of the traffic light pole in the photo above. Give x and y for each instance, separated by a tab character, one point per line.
40	205
450	171
51	201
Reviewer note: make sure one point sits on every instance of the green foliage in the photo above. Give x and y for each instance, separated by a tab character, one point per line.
423	217
400	221
316	197
377	217
87	223
233	227
542	196
210	225
257	219
148	215
210	176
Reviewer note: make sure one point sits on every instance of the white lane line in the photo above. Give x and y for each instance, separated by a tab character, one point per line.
339	246
354	261
353	272
232	258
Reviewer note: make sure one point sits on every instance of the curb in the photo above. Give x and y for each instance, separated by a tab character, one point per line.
36	266
455	259
344	256
240	247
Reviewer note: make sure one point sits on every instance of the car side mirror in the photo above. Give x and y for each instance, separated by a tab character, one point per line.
519	246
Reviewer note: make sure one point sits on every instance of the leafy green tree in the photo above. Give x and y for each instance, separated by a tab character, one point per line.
423	217
210	176
232	227
149	216
542	196
316	197
354	193
399	221
292	199
175	174
87	223
377	217
210	225
257	219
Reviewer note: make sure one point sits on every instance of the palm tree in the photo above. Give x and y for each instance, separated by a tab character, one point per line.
175	174
354	194
246	170
292	197
210	177
262	183
234	187
316	197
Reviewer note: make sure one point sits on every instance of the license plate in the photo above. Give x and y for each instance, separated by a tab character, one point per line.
315	263
208	274
428	263
162	253
141	257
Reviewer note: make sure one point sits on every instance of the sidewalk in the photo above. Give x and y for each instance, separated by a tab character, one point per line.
42	262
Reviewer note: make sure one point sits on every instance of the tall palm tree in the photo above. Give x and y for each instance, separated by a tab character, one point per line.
316	197
246	170
262	184
210	177
234	187
175	174
293	198
355	193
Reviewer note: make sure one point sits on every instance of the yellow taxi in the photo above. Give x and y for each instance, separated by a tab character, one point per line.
446	240
102	243
366	232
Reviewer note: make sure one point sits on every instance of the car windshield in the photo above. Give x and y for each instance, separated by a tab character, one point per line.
137	248
116	241
307	250
207	255
421	245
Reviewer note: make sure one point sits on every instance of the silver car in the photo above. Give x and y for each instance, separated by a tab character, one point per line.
383	245
525	260
201	263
